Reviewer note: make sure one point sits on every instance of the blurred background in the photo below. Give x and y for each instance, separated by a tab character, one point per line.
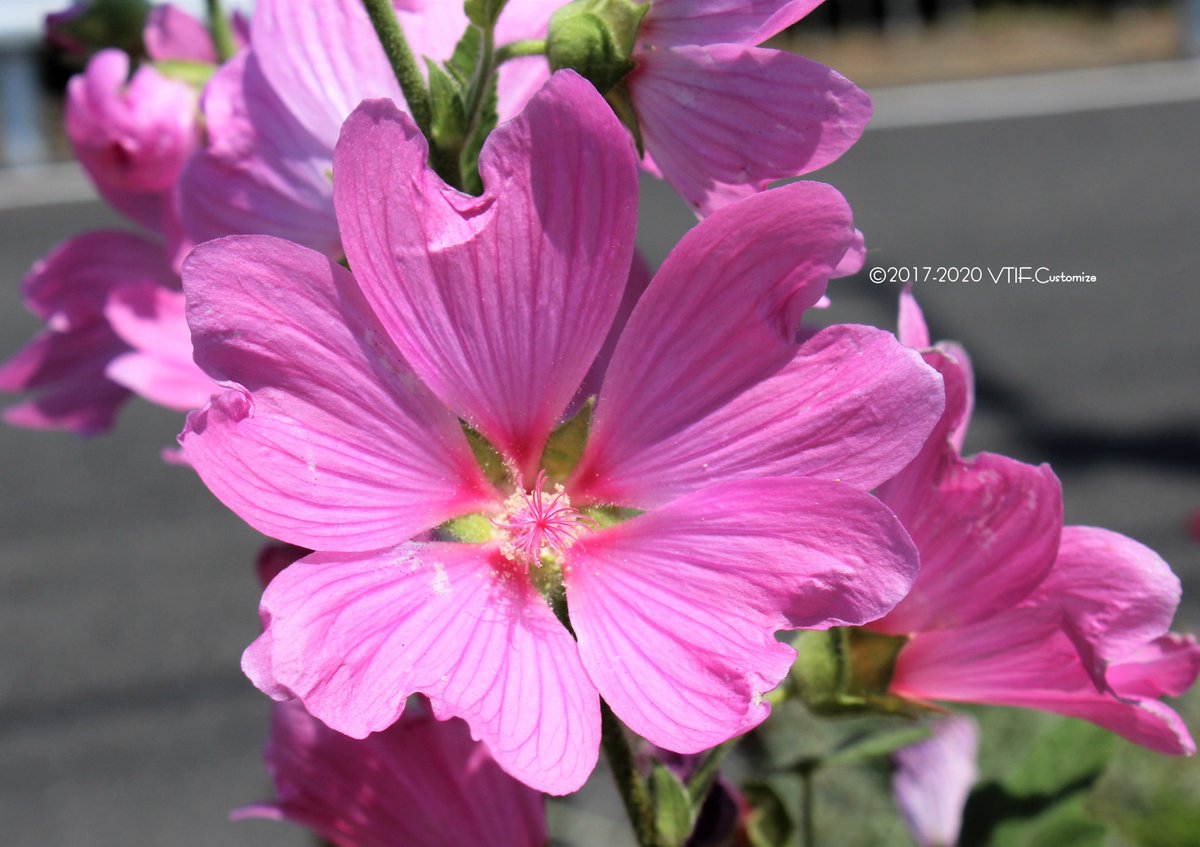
1007	135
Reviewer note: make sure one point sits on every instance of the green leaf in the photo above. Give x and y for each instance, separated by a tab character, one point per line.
770	823
876	745
673	814
1066	753
1064	823
484	13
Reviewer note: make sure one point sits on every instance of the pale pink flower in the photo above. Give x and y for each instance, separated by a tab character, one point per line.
421	783
341	432
722	118
273	115
933	780
132	136
1011	608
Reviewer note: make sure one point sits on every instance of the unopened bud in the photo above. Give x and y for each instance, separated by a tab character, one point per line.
595	38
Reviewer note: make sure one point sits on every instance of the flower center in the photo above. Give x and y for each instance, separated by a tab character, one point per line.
540	524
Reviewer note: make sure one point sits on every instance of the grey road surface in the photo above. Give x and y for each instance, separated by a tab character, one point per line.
127	594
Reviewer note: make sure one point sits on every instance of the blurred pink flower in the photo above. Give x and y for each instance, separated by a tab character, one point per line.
752	452
1010	607
933	780
421	783
173	35
132	136
105	336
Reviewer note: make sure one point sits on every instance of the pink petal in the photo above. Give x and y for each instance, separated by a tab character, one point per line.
1118	594
988	531
328	441
852	406
172	384
1166	667
913	330
171	34
421	783
520	79
353	636
1026	659
261	172
855	258
332	62
724	121
499	302
676	610
640	276
720	317
66	369
674	22
934	778
69	287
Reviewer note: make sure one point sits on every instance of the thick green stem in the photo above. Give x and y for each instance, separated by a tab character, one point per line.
808	823
518	49
635	794
221	29
404	65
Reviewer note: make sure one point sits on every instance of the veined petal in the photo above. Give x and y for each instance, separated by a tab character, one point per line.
1118	594
724	121
498	302
852	406
1166	667
328	440
912	330
352	636
676	610
261	172
988	531
720	317
332	62
674	22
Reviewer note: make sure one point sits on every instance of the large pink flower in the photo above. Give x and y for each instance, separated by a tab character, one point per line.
342	432
722	118
114	324
273	116
1011	608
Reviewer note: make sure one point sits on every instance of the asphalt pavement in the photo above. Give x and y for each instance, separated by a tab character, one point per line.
127	594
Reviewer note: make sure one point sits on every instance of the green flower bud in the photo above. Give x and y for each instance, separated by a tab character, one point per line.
595	38
846	671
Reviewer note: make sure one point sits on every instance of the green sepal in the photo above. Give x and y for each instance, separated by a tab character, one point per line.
462	68
565	445
621	101
468	529
449	125
195	74
494	467
609	516
673	813
596	39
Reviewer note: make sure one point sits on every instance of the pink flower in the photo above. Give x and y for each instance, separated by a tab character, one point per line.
171	34
273	116
341	432
1011	608
420	783
722	118
132	136
934	778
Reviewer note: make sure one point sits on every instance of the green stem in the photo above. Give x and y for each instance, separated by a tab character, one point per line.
518	49
395	46
635	794
221	29
808	823
704	776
